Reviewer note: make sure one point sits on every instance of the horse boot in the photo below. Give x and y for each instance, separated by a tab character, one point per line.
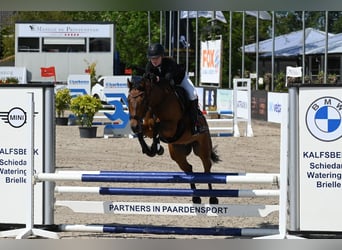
195	125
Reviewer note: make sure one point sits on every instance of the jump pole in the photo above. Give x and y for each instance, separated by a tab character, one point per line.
247	232
168	191
149	176
225	130
155	177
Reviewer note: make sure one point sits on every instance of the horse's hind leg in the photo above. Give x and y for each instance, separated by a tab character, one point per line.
178	153
212	199
195	199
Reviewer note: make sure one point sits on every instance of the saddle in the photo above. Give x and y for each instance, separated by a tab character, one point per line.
185	103
182	97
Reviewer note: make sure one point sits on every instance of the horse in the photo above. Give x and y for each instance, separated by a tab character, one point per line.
157	111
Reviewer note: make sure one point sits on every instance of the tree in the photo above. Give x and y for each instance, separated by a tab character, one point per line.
132	32
7	42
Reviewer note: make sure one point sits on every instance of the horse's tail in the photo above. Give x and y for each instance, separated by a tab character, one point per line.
214	156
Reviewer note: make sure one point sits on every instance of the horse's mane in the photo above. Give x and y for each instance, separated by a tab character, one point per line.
136	82
164	83
139	82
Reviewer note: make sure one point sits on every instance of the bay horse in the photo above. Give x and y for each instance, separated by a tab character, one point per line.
156	111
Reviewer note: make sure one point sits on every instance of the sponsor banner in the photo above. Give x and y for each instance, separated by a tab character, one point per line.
79	84
16	72
320	158
62	30
224	100
115	84
259	105
155	208
209	98
210	67
15	153
276	103
242	105
115	88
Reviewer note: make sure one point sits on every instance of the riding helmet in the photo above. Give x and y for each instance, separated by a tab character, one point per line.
155	50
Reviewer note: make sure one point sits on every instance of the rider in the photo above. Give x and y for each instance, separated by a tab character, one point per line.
166	67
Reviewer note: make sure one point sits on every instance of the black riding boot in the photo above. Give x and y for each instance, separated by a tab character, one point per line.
195	126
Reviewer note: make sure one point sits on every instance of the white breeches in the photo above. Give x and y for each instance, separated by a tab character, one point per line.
189	88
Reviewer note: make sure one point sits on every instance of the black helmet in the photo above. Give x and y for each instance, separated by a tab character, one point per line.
154	50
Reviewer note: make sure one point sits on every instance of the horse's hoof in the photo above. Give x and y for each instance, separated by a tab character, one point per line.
150	153
160	151
196	200
213	200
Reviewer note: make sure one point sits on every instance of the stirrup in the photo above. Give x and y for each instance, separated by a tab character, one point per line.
196	129
195	132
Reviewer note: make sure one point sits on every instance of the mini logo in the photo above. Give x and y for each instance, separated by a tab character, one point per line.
323	119
16	117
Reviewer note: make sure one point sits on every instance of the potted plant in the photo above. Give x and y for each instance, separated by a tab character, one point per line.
85	107
11	80
91	70
62	103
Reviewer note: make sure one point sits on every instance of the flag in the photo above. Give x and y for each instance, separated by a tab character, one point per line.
262	14
293	72
48	72
128	71
218	15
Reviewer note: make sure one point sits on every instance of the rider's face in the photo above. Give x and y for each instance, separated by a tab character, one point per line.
156	61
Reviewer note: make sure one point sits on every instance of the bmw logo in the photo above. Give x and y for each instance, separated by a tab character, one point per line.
324	119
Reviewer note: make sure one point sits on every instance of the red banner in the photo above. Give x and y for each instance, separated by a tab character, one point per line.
48	72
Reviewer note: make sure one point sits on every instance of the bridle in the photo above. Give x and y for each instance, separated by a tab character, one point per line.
135	116
139	89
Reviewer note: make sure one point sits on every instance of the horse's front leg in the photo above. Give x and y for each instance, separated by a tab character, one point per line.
156	143
178	153
148	125
145	149
154	134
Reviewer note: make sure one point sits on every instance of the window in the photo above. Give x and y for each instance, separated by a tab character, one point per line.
64	45
99	44
28	44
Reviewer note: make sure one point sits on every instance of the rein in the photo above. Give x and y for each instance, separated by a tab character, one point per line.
144	90
137	95
180	126
136	117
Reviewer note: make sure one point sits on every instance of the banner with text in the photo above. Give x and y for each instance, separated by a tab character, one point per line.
15	150
210	67
320	158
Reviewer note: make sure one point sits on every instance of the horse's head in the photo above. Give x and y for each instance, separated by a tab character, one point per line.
137	104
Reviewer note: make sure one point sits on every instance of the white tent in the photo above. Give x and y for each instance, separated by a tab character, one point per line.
290	44
218	15
334	46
